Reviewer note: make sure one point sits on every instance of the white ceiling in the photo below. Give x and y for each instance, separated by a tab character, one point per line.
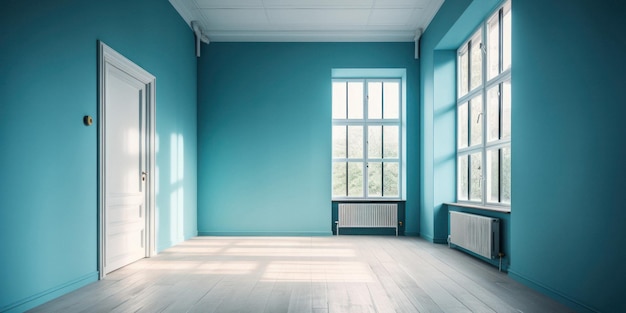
309	20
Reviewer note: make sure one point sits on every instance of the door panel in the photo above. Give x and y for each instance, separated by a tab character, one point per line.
125	155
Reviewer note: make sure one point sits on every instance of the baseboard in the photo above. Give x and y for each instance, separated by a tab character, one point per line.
434	240
50	294
440	240
577	306
265	233
411	234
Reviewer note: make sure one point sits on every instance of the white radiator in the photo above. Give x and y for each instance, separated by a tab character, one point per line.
374	215
476	233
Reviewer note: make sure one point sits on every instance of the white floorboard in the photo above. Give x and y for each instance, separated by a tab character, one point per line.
381	274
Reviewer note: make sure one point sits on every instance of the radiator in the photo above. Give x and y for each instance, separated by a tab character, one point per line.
478	234
370	215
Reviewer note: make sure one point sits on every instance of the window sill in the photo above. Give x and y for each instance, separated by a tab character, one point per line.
367	200
506	210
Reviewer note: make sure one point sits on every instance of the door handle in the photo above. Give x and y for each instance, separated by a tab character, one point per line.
144	175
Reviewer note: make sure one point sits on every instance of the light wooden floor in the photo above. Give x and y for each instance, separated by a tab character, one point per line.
306	274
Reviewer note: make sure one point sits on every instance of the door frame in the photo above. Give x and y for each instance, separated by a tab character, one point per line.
107	55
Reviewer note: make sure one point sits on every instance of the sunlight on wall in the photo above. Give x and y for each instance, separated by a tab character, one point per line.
177	198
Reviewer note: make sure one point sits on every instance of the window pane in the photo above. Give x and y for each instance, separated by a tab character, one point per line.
339	179
375	179
493	113
463	126
462	178
476	63
391	105
493	175
355	179
375	100
391	141
463	72
355	142
506	109
476	190
476	121
355	100
505	176
375	142
391	180
339	141
339	100
506	36
493	42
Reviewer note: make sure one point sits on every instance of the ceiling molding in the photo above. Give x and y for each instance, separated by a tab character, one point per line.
308	20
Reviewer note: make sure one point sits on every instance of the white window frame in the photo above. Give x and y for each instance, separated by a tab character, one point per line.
365	122
481	91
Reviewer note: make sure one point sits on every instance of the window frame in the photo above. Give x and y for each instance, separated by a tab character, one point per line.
366	122
487	83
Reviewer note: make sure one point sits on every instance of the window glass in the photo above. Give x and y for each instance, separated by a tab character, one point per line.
391	180
339	100
339	142
375	142
506	36
476	63
355	142
391	142
339	179
463	177
493	113
391	104
493	44
493	174
463	73
375	100
462	125
355	179
476	122
375	179
355	100
505	176
476	177
506	109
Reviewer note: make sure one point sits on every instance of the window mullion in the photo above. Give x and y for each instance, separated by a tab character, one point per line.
347	147
382	156
365	124
469	66
500	40
499	175
500	112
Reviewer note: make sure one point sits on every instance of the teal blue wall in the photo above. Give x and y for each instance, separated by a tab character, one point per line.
565	234
568	233
437	105
264	134
48	158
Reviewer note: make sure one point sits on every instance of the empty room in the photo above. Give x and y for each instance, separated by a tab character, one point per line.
312	156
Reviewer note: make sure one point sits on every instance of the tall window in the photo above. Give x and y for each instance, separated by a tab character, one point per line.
367	139
484	113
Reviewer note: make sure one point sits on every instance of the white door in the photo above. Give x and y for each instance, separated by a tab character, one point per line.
124	108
